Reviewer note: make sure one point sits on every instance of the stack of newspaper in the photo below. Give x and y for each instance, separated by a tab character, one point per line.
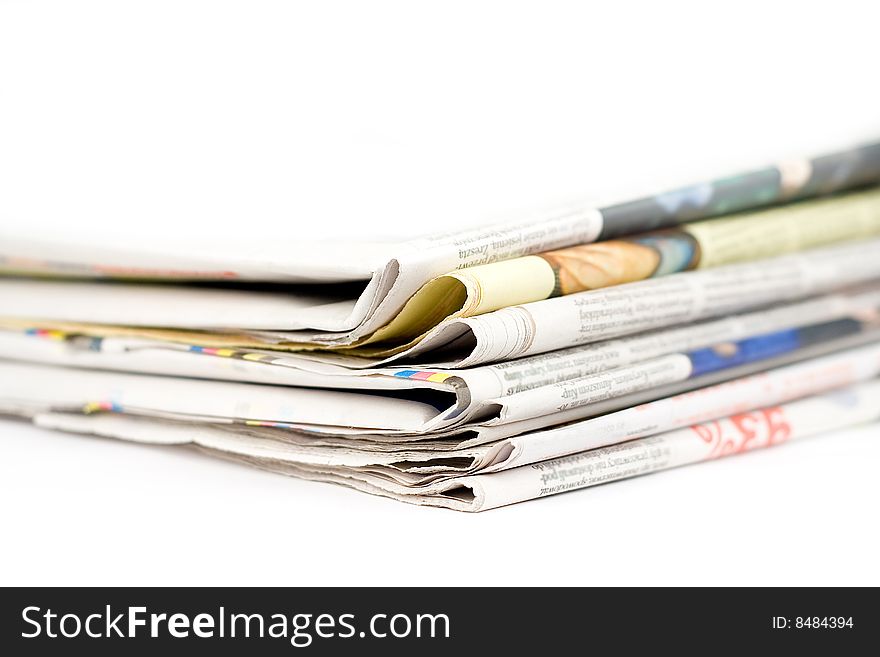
477	369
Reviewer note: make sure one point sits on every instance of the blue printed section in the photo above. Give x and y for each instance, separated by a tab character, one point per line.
745	351
677	251
406	373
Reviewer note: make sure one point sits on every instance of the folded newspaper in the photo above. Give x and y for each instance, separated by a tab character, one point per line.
545	389
474	370
387	275
511	332
717	420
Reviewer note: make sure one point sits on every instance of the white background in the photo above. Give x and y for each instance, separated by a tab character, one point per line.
301	121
